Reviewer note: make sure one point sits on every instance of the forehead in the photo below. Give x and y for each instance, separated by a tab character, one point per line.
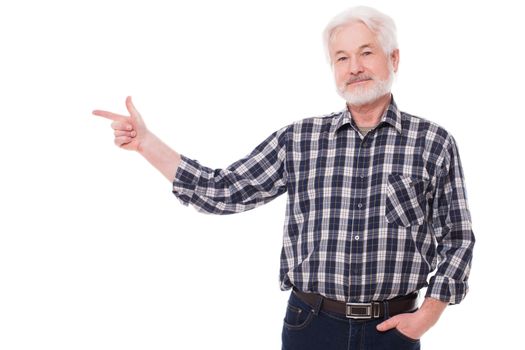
351	37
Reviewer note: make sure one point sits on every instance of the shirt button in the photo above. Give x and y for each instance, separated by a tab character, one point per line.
360	205
356	238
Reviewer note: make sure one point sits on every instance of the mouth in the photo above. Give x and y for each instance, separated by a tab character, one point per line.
356	82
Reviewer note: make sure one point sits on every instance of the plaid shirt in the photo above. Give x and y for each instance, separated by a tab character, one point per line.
367	218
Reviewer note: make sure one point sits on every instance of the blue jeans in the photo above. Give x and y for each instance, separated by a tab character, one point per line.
307	328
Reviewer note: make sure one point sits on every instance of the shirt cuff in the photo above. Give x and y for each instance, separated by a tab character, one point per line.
186	179
446	289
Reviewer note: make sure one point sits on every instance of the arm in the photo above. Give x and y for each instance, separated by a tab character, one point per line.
160	155
452	228
254	180
451	225
251	181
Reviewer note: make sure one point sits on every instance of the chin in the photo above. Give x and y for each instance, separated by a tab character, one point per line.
359	98
362	96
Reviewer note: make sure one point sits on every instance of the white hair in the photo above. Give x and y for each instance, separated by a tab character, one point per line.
379	23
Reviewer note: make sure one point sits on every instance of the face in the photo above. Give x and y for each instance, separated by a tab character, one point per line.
363	71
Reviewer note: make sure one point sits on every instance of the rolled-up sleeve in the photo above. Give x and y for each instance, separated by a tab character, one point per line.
452	227
251	181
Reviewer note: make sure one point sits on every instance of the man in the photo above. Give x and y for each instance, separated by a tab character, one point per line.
376	201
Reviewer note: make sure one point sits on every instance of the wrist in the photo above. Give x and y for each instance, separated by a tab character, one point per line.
431	310
145	143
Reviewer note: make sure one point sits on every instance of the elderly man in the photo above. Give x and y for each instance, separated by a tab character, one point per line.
376	201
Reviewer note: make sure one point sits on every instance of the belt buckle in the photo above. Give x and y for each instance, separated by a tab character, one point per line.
361	311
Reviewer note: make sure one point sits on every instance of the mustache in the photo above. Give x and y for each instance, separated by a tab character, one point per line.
358	78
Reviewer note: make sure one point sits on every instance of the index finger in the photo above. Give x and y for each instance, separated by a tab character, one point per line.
109	115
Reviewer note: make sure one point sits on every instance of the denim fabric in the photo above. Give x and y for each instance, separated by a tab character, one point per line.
307	328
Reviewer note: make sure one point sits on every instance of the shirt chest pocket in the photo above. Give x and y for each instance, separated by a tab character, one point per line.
405	200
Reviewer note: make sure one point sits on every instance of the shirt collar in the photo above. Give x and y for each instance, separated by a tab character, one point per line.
391	116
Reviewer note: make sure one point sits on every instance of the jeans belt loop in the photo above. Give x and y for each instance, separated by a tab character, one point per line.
318	306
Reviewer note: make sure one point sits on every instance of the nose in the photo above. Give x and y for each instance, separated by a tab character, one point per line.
355	67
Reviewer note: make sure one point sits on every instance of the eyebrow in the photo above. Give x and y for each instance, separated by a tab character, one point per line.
369	46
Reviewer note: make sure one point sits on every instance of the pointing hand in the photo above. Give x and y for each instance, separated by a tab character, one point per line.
130	131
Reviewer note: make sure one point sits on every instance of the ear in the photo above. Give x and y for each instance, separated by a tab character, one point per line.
394	56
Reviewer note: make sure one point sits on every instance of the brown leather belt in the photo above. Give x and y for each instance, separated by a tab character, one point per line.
399	305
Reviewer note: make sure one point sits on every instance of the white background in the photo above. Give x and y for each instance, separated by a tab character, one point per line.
97	253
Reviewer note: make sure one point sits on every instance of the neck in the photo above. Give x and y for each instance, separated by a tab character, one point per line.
369	115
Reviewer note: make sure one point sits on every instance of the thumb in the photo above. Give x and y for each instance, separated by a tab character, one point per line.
132	110
388	324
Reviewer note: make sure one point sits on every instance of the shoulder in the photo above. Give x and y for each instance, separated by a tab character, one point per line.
309	128
421	128
437	144
315	124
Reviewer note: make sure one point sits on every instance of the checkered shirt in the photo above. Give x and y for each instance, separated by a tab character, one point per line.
367	218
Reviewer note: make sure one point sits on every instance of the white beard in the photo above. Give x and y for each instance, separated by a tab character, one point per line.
364	95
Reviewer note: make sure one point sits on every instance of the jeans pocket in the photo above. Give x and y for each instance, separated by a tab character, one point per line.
398	333
298	314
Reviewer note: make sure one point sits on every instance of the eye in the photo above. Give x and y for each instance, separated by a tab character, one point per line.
366	53
341	59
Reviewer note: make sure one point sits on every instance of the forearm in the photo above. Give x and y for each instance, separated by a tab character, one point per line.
245	184
432	310
160	155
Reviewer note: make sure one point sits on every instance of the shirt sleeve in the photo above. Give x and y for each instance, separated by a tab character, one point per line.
251	181
451	223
